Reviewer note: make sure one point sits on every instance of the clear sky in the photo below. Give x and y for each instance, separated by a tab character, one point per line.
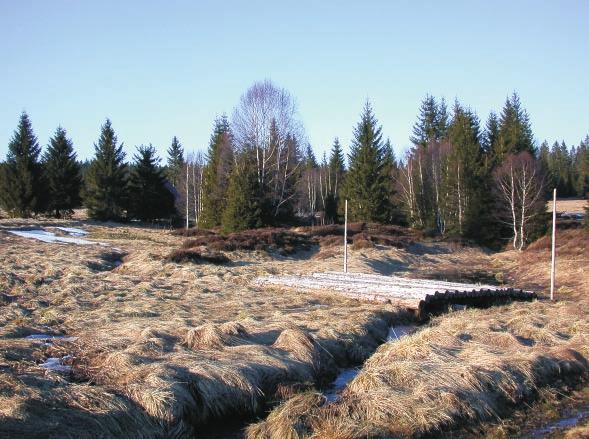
166	68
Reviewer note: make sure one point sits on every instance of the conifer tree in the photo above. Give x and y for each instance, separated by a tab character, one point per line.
582	169
245	206
106	191
491	133
465	172
432	122
21	193
216	174
149	198
515	131
175	163
335	178
367	186
62	175
337	167
391	171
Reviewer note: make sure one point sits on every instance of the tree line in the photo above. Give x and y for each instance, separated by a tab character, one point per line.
459	179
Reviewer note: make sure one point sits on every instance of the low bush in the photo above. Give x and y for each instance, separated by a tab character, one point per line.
194	256
193	231
268	239
288	241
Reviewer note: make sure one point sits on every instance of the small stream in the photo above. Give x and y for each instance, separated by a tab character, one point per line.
568	421
347	374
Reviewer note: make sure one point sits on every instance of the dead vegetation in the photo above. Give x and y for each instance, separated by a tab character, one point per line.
167	349
175	346
465	368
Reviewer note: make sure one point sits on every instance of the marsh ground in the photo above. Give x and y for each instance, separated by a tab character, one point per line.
170	349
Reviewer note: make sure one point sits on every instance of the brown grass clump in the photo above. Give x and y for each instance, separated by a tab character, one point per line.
197	257
362	241
304	348
214	336
469	367
290	420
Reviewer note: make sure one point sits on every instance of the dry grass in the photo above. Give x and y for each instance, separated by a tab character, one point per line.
467	367
571	205
165	348
178	345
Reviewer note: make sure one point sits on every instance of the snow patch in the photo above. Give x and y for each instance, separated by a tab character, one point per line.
398	332
47	337
73	231
56	364
49	237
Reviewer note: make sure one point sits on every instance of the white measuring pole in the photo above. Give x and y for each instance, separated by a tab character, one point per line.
346	237
553	267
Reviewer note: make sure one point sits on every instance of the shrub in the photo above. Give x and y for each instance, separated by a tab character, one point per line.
194	256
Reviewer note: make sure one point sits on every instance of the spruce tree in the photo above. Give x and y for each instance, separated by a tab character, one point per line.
432	122
337	167
149	198
466	173
391	171
582	169
491	132
216	174
367	186
335	177
62	175
175	163
515	131
245	206
21	192
106	191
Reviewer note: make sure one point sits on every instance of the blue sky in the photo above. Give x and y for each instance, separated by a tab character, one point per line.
160	69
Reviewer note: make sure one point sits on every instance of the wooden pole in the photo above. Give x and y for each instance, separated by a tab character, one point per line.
346	237
553	267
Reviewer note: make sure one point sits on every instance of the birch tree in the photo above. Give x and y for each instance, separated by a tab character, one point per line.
266	123
520	188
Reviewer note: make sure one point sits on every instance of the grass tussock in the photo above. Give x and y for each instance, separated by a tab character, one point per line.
214	336
164	349
290	420
469	367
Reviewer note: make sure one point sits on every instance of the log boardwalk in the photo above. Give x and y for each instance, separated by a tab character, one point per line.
423	296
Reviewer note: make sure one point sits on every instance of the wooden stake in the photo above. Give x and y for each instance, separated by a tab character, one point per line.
553	267
346	237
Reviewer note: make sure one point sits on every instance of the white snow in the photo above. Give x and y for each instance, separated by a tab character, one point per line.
44	236
73	231
47	337
400	331
343	378
56	364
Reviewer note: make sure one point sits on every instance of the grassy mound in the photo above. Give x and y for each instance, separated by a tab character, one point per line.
465	368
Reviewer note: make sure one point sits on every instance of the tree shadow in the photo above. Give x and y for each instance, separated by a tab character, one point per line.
387	265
